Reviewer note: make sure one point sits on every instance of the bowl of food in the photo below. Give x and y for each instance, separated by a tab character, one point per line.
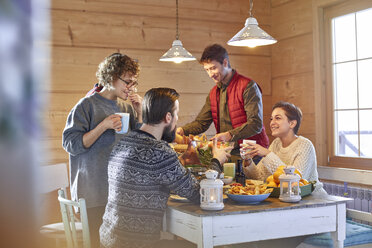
204	149
250	194
248	199
227	180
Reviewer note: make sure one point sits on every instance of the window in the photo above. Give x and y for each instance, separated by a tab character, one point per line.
352	83
348	77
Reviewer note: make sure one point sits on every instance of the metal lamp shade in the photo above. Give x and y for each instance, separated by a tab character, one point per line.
177	53
251	35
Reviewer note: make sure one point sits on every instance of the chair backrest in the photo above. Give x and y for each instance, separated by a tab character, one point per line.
68	219
53	177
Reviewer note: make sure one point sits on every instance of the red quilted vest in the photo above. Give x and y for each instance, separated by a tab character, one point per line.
235	103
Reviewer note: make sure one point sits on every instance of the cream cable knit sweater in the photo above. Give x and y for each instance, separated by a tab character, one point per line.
300	154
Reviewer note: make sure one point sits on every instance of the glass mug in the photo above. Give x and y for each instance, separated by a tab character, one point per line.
229	169
244	154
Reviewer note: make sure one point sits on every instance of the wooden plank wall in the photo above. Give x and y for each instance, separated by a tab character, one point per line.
85	31
292	59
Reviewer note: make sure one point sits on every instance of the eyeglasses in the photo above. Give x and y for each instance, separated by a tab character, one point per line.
135	83
133	87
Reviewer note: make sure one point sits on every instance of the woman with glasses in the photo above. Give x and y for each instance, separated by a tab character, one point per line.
89	134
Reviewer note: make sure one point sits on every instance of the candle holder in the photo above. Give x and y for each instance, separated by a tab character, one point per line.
211	192
290	185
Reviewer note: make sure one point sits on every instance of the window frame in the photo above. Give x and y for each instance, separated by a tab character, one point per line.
323	12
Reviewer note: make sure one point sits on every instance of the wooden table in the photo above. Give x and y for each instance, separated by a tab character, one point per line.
271	219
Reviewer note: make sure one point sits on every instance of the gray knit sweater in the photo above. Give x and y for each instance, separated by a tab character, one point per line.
88	167
142	172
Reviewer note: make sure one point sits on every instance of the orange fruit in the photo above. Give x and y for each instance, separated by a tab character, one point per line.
304	181
277	174
294	184
301	184
271	184
270	179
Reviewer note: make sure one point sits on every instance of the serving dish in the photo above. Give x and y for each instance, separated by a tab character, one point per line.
227	180
248	199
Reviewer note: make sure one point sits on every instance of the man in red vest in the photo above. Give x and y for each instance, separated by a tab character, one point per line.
234	104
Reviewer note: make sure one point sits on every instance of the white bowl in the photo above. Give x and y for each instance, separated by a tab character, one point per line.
227	180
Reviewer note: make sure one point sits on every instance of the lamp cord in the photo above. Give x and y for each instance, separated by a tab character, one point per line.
250	8
177	34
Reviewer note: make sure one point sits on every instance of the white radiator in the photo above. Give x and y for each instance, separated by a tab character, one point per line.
362	197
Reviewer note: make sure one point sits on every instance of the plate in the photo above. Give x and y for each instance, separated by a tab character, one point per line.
248	199
178	198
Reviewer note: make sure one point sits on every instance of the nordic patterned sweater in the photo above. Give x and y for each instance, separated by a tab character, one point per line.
300	154
142	171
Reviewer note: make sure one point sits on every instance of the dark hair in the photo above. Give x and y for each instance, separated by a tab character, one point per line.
156	103
292	112
214	52
113	66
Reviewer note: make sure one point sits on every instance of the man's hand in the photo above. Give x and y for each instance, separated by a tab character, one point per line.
221	154
226	136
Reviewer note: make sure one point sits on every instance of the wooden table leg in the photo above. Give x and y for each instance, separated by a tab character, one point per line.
206	239
339	235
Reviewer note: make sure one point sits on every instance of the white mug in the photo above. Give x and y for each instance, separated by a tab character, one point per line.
124	122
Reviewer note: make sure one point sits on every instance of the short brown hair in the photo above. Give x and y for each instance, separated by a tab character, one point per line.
156	103
214	52
292	112
113	66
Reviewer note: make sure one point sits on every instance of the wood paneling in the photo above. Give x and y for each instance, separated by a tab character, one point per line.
292	56
209	10
84	32
292	19
292	59
146	32
297	89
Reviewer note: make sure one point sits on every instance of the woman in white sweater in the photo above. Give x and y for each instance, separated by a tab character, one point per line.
286	149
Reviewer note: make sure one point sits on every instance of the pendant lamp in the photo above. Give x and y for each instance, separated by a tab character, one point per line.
177	53
251	35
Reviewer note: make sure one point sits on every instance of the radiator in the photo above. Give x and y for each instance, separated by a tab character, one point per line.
361	197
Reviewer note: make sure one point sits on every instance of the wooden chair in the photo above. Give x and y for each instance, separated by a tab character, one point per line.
53	177
68	218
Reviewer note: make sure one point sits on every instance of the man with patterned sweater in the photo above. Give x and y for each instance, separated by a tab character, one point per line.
234	104
142	171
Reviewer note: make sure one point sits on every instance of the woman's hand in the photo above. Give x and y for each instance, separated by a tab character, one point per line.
136	101
112	122
251	150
